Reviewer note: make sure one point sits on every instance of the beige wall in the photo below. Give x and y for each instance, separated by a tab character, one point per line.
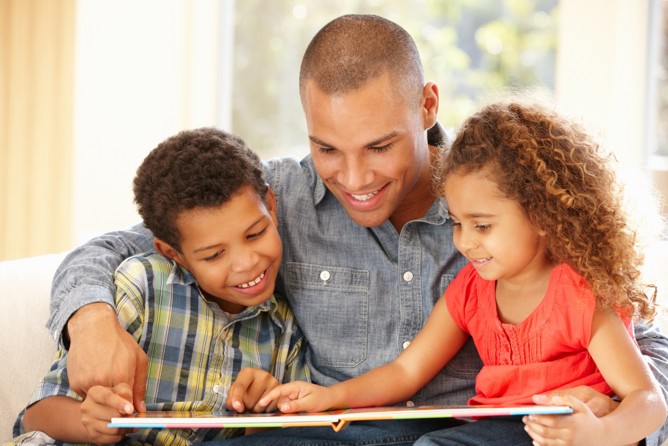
36	123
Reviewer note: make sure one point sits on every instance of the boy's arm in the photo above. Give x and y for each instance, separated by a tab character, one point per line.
72	421
101	352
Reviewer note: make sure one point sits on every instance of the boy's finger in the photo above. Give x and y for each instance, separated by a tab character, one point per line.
110	398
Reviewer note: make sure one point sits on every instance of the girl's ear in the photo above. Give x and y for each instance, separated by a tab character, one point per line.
167	250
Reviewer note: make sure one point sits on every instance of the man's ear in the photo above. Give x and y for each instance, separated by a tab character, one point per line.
167	250
270	202
429	104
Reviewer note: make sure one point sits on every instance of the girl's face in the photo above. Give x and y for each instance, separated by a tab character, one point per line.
493	231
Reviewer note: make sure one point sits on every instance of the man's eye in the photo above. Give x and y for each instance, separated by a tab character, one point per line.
326	150
381	149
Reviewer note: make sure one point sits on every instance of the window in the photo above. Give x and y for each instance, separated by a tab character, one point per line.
467	46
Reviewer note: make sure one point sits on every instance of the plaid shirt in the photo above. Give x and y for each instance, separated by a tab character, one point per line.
194	349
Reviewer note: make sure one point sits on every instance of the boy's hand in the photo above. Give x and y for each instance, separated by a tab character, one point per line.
248	388
574	429
103	353
300	396
100	406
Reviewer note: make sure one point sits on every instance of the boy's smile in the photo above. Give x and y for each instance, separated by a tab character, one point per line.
233	251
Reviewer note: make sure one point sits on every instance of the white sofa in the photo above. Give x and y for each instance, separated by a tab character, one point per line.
26	347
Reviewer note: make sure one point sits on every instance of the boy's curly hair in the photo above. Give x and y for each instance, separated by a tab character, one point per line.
555	170
199	168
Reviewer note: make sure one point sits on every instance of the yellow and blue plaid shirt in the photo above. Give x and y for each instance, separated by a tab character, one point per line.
194	349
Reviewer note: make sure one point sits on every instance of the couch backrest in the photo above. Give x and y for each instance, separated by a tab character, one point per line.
26	347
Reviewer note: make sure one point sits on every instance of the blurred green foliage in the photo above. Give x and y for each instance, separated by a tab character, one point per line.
470	48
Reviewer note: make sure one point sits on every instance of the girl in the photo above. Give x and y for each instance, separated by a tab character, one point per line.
548	295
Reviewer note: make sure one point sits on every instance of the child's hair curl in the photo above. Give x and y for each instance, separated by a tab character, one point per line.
556	171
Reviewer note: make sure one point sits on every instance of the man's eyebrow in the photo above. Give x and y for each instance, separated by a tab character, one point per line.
376	142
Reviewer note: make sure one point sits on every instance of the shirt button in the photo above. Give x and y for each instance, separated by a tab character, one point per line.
410	404
408	276
406	344
216	388
324	276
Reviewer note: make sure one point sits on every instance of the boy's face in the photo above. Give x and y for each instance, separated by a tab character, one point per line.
233	251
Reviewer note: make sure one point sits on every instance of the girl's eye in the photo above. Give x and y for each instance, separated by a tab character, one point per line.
482	228
455	223
214	256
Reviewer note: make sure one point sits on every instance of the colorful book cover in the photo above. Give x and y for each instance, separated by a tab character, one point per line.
337	419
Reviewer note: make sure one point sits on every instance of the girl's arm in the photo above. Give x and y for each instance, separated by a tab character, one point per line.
642	409
438	341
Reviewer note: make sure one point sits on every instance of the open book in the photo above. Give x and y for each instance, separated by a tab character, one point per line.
337	419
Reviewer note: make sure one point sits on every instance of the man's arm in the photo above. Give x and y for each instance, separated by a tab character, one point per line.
654	347
83	316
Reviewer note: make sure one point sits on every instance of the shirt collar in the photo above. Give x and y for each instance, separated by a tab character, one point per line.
182	276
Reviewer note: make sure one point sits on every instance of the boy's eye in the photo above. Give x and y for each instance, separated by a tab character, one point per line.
214	256
257	234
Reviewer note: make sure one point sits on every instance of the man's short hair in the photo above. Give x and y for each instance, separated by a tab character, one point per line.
201	168
352	50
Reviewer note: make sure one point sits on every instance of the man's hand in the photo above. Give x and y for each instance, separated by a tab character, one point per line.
99	407
248	388
598	403
102	353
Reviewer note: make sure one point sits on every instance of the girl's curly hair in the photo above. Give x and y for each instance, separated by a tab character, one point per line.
556	171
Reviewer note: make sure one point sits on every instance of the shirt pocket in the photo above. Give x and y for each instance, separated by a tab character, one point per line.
332	308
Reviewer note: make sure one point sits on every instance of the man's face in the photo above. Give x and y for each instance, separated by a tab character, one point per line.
370	148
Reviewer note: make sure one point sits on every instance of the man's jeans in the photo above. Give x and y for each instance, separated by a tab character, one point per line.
372	433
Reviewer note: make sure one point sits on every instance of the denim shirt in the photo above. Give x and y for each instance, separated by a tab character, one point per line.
359	294
362	294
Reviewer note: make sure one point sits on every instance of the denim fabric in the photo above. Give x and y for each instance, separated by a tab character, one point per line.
372	433
507	431
361	294
347	284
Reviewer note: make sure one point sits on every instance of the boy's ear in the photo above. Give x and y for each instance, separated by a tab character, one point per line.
270	201
167	250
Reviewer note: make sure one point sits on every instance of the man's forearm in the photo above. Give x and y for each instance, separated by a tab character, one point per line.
86	274
654	347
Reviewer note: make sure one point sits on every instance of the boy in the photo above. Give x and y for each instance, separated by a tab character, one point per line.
202	309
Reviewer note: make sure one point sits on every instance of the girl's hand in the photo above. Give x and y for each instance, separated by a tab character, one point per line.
574	429
100	406
300	396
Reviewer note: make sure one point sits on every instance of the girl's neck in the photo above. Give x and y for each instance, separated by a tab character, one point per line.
517	299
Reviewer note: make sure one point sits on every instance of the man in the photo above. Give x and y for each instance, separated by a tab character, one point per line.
367	246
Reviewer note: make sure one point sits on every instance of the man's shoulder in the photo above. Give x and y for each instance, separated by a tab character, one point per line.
289	169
